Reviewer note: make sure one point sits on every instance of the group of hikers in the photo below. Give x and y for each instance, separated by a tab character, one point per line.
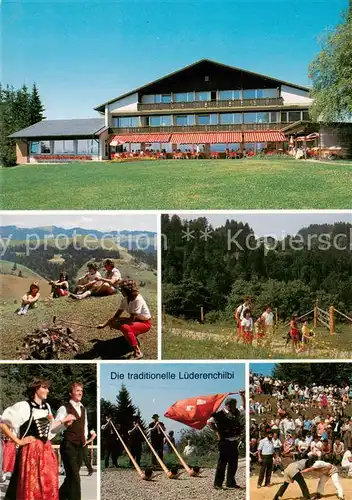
263	328
92	283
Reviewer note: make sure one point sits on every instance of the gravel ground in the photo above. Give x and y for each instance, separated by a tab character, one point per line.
128	486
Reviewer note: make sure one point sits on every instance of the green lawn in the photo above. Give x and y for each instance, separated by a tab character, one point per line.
181	184
190	340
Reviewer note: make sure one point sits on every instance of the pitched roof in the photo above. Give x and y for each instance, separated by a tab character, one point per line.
101	107
62	128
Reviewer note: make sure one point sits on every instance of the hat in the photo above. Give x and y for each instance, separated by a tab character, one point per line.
155	415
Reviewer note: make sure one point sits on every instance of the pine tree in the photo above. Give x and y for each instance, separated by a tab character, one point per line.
7	127
21	109
14	268
18	109
36	106
125	410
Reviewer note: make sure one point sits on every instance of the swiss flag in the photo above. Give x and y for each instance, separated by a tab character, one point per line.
196	411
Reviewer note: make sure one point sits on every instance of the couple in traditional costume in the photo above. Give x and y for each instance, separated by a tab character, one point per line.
36	470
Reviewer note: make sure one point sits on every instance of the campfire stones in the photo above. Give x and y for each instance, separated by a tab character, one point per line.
48	342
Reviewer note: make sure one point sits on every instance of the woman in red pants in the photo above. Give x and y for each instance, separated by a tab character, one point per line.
139	320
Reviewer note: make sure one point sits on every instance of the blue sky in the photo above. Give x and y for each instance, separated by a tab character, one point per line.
262	368
82	53
156	396
277	224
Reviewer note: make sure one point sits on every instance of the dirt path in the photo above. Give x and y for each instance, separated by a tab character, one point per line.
294	492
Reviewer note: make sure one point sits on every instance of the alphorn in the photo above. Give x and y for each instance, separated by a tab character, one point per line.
188	469
131	457
168	473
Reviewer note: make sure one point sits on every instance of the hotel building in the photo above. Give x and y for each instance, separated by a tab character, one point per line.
207	103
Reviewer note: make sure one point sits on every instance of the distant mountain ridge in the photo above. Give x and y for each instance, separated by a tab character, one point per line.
20	233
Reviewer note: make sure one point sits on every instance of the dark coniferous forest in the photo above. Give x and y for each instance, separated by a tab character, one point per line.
215	273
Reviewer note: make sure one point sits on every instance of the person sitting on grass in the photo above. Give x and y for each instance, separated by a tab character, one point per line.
59	288
30	299
139	320
247	327
102	286
92	275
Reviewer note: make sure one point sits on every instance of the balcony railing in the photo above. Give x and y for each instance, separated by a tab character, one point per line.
205	105
200	128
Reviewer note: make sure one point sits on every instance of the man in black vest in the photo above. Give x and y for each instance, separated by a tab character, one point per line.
157	437
136	440
110	441
73	440
229	424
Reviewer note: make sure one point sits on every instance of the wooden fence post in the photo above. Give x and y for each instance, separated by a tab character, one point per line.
202	315
316	314
332	320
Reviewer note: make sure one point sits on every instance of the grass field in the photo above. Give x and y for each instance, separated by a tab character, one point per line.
181	184
91	311
191	340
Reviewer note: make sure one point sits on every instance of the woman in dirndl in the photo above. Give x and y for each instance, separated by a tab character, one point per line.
35	475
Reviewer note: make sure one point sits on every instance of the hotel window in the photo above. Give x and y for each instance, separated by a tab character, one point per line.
64	147
126	121
267	93
181	121
249	117
34	148
294	116
225	95
58	147
87	147
203	120
283	116
249	94
181	97
229	95
202	96
148	99
166	98
226	118
160	121
230	118
69	147
263	117
45	147
305	115
274	117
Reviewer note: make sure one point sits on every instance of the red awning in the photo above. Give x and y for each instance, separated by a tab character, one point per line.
139	138
206	138
312	136
264	136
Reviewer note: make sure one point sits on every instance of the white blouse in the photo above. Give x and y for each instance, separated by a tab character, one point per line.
15	416
137	306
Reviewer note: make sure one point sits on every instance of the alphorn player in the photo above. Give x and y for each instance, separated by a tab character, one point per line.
136	440
229	424
157	437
